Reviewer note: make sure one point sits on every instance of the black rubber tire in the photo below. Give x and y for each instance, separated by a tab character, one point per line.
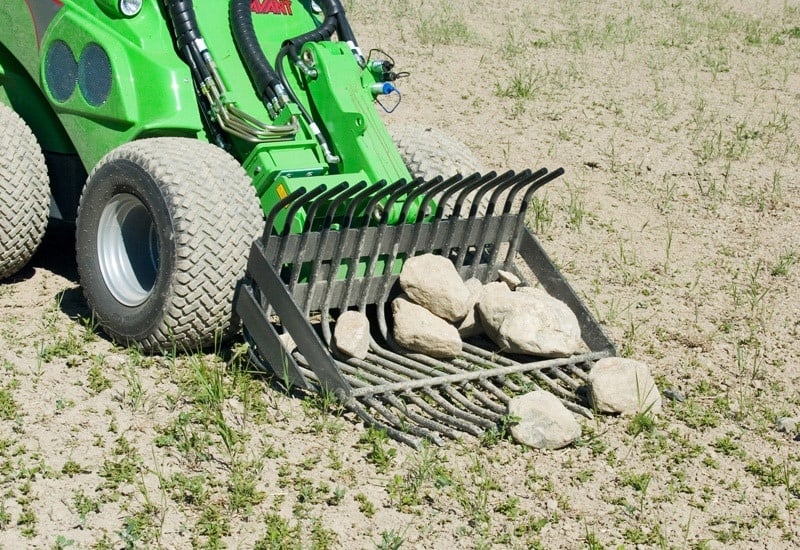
24	193
428	153
192	217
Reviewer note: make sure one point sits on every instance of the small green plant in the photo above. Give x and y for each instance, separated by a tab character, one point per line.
97	380
379	452
390	540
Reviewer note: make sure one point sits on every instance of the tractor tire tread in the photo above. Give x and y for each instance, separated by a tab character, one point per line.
24	193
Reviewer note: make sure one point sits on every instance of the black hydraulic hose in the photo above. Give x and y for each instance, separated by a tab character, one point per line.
264	77
184	22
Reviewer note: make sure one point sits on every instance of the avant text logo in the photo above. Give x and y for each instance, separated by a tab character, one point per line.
280	7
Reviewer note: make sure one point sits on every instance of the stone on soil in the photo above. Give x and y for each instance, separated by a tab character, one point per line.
434	283
417	329
351	334
529	321
619	385
786	424
471	325
545	423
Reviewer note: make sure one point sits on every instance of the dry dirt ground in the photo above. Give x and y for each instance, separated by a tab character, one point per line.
677	221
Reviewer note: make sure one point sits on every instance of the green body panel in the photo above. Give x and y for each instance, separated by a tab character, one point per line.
151	92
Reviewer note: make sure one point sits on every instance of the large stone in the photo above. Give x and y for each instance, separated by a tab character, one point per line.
529	321
544	422
351	334
434	283
471	324
619	385
417	329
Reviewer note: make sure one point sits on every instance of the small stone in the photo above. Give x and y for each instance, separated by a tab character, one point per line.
529	321
351	334
417	329
288	342
786	424
434	283
545	423
620	385
471	325
509	278
674	395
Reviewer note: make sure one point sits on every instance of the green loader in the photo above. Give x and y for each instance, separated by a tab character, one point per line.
227	171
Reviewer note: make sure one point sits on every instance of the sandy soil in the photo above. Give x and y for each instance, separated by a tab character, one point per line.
677	221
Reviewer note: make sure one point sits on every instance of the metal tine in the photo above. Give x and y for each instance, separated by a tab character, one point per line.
396	434
427	191
420	190
396	421
468	188
483	237
488	402
287	226
494	390
456	395
311	213
473	217
280	205
479	353
372	198
326	236
579	372
539	178
558	373
469	418
418	419
455	421
512	249
372	259
448	186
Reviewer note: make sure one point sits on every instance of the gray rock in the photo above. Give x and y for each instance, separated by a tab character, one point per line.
471	325
619	385
351	334
786	424
417	329
674	394
434	283
529	321
509	278
545	423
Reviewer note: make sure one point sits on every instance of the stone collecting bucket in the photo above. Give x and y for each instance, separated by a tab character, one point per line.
345	254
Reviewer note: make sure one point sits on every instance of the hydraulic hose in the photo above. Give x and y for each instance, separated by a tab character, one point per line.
265	79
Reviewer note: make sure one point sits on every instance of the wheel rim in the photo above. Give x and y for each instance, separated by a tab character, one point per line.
127	249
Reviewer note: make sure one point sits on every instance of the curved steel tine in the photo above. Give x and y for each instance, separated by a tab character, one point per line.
473	213
311	213
547	178
336	203
420	190
464	185
325	236
287	226
512	195
484	189
495	198
467	191
514	243
280	205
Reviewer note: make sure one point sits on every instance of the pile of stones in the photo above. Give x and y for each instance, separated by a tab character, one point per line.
437	310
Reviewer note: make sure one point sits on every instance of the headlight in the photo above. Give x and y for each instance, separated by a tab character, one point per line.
130	7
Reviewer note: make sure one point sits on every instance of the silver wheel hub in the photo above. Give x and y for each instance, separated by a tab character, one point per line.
127	249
